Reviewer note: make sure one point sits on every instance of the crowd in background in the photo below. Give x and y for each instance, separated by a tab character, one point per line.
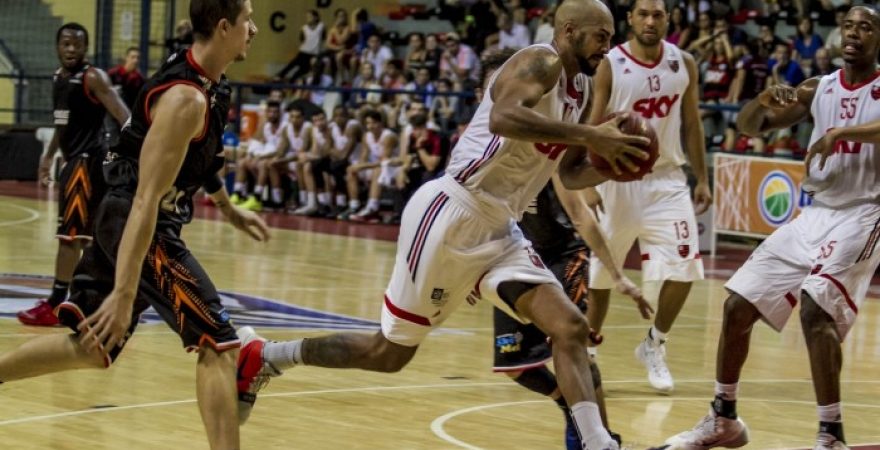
374	144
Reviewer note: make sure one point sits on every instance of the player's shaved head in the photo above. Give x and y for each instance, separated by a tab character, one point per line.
582	12
582	31
872	14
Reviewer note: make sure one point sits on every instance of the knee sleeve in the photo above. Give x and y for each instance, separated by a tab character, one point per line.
539	380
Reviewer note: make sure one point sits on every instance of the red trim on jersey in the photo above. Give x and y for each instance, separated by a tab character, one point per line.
698	256
645	65
165	87
406	315
86	87
646	257
852	87
195	65
791	300
843	291
477	284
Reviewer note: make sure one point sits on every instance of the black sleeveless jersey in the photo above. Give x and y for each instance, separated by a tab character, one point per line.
79	116
204	158
546	224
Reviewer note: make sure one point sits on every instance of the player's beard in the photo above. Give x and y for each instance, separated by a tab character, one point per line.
649	41
585	66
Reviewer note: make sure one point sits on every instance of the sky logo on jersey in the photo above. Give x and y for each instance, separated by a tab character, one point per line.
776	198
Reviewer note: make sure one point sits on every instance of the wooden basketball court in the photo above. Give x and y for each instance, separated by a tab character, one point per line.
323	274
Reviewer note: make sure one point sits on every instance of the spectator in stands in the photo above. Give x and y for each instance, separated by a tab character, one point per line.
785	70
442	108
834	40
340	46
317	77
415	54
422	83
379	144
483	24
376	53
458	62
315	163
806	42
718	74
544	32
433	53
363	28
752	74
347	135
126	77
511	34
311	36
679	32
822	64
183	37
393	78
704	35
413	109
367	79
421	160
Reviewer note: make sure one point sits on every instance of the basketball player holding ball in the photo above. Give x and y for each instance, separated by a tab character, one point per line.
655	80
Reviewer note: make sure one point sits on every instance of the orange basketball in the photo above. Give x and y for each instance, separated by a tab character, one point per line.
633	124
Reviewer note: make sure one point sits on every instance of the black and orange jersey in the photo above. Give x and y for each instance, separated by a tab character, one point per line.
78	115
205	154
549	228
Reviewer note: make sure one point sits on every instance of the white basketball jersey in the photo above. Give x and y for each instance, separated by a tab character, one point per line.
654	91
507	173
340	140
272	137
297	139
852	173
374	146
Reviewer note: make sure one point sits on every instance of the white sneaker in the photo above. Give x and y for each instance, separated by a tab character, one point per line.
712	431
252	371
305	210
825	441
653	356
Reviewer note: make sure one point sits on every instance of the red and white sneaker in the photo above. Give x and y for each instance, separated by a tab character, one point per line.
825	441
252	372
41	315
711	432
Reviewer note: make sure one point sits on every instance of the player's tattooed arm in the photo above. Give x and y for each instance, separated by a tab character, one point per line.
777	107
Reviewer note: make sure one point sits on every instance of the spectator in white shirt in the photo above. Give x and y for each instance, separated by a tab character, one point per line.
544	33
459	62
510	34
312	37
376	53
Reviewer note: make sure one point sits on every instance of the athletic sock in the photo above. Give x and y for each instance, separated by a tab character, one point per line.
323	198
283	355
726	391
240	188
277	195
303	196
830	420
589	423
373	204
340	201
658	337
59	292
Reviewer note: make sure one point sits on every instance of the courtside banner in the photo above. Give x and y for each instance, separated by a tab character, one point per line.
756	195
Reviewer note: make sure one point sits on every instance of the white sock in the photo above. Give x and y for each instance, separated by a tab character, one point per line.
593	352
277	195
258	189
354	204
283	355
658	336
726	391
323	198
303	195
310	199
589	423
340	200
373	204
829	413
240	187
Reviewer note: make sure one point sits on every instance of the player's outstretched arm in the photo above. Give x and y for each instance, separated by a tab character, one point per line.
777	107
575	204
100	86
526	77
178	117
